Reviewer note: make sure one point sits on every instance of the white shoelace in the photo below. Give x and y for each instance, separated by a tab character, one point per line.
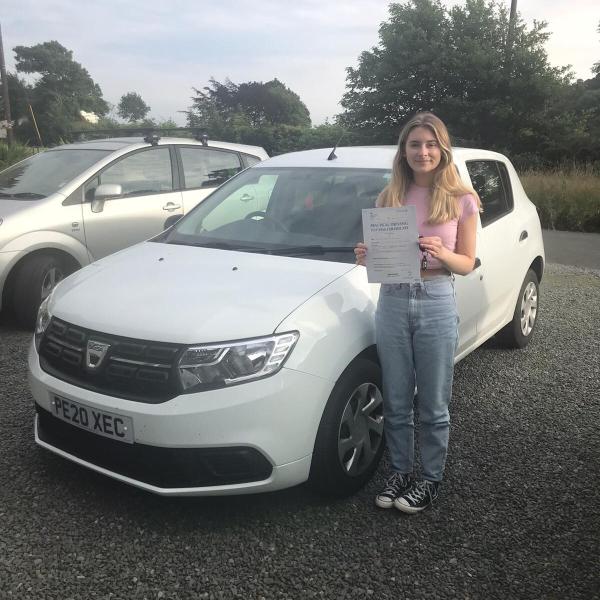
393	484
419	492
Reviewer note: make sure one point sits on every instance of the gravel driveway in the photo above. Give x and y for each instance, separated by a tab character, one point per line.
518	517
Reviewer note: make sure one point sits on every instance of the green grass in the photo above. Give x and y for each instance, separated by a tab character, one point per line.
12	154
566	199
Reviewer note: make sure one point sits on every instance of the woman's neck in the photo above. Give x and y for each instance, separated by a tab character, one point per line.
423	179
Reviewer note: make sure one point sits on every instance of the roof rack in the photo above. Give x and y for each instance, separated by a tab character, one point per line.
151	134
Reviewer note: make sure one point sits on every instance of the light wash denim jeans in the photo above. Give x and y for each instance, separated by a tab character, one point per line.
417	334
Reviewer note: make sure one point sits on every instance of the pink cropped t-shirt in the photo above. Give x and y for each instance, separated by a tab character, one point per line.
419	198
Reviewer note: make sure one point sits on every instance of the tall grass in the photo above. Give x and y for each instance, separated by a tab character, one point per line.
566	199
13	153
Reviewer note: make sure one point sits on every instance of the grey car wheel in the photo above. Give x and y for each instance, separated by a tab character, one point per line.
518	333
529	302
350	439
36	278
361	429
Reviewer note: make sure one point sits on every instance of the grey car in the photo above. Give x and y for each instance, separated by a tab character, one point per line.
71	205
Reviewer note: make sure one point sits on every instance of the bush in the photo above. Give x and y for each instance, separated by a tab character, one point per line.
12	154
566	199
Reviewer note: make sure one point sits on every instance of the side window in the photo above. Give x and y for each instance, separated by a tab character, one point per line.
203	167
146	172
491	181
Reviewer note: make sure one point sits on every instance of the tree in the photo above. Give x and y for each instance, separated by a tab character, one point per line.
454	62
132	107
62	89
19	92
222	106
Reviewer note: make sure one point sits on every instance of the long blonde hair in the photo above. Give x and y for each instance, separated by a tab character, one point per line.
447	186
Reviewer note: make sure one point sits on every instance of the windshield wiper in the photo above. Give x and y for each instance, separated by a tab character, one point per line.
313	249
217	245
24	195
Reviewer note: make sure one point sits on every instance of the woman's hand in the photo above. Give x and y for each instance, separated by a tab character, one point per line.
360	251
434	247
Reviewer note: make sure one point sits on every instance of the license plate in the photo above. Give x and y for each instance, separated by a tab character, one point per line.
100	422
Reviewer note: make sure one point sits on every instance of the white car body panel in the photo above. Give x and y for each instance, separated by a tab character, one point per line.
176	278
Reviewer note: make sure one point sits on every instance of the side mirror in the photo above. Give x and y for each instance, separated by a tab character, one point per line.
102	192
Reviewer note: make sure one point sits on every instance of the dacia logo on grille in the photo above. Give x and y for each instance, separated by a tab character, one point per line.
95	353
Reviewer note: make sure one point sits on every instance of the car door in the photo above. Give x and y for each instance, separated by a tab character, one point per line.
149	196
470	292
499	241
203	169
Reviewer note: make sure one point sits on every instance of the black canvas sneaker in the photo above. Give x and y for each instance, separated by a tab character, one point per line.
395	486
420	495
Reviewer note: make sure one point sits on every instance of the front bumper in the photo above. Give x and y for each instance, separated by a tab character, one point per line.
249	438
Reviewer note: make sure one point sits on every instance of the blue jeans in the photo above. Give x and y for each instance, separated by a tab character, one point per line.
417	334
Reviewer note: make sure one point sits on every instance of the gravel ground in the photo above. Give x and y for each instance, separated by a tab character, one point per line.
518	516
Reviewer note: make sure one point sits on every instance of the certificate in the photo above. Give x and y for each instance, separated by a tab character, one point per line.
391	237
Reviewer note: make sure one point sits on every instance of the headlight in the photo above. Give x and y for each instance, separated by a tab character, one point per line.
220	365
43	320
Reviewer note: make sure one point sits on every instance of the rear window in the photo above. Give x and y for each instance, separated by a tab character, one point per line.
45	173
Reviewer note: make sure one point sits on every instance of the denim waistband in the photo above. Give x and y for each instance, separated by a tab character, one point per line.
438	277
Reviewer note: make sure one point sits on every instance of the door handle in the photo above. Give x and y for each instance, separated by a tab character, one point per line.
524	235
171	206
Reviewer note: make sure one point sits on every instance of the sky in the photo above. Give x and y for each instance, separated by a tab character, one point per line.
162	50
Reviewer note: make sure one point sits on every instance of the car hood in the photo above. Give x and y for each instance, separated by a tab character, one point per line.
189	295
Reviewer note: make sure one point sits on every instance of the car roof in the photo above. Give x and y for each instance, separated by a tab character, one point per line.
366	157
118	143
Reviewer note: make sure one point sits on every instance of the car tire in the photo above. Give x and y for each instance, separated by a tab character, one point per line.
350	439
35	279
518	333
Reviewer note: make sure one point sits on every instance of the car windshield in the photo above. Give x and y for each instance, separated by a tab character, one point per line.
308	212
45	173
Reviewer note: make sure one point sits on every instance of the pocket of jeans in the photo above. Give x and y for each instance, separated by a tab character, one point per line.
441	289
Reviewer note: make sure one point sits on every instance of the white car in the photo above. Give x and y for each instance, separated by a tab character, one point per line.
235	353
68	206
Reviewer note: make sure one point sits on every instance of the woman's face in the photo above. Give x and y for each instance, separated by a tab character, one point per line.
422	152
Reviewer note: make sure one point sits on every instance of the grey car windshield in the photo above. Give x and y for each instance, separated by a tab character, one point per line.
46	172
309	212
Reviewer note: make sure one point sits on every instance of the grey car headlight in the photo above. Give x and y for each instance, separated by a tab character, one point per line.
43	320
221	365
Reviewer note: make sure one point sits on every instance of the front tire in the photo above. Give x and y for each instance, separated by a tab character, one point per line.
350	438
518	333
35	279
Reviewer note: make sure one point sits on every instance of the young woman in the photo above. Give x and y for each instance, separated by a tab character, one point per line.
417	324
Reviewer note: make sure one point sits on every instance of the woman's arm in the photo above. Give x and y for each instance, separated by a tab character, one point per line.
462	260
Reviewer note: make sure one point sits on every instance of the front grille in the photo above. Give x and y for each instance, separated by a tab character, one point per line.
162	467
138	370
